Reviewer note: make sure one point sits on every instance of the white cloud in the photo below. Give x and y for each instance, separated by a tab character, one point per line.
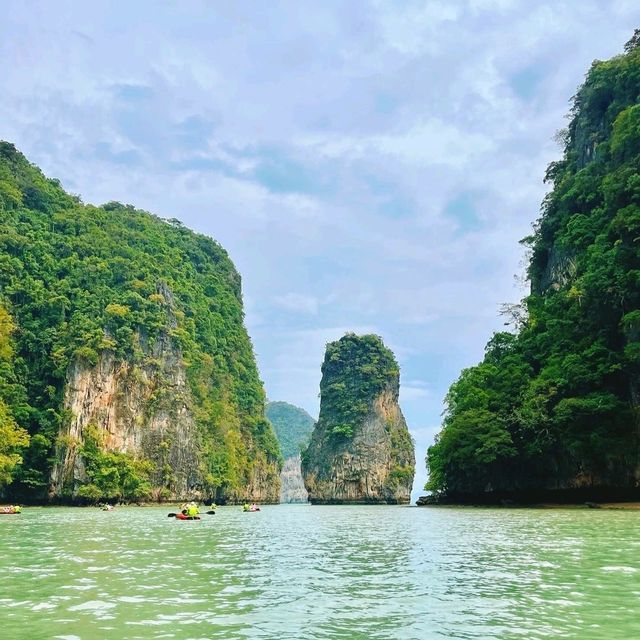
297	302
409	393
429	142
409	28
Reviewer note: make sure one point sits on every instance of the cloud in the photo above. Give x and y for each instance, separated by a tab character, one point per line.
410	393
410	28
298	303
431	142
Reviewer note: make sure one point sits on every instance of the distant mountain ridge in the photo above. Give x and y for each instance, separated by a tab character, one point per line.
293	427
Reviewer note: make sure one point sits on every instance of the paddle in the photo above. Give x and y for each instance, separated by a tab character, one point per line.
173	515
209	513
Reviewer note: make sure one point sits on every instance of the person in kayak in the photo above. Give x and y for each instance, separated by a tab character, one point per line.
192	510
185	508
11	509
245	506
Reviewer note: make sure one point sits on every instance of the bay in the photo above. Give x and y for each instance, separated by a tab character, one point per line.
300	571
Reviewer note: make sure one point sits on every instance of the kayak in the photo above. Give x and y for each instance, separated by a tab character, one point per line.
9	513
181	516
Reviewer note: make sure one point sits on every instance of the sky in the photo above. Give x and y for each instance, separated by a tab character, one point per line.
369	166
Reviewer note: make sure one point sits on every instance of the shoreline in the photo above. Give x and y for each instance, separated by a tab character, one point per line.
119	505
606	506
598	497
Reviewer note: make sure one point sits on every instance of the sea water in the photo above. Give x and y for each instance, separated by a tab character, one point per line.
300	571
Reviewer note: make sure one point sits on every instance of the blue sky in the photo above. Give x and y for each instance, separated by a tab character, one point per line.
369	166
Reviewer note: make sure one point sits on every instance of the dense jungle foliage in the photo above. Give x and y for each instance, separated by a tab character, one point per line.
78	281
355	370
293	427
555	405
13	438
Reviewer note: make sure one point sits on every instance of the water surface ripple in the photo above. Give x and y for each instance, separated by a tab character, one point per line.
296	571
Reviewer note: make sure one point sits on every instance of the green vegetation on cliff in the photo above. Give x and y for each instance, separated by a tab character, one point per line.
13	438
556	404
360	449
112	475
293	427
79	281
354	371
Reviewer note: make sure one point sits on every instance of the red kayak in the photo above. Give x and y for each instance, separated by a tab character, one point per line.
181	516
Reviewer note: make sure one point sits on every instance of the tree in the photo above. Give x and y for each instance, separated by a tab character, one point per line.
13	440
633	42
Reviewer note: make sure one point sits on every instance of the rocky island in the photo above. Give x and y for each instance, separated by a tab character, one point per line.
126	369
360	450
552	411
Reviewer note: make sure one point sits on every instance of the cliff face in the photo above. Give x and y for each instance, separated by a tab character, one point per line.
360	450
144	410
134	376
147	411
292	485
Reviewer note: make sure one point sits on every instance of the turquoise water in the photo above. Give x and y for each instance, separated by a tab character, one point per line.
296	571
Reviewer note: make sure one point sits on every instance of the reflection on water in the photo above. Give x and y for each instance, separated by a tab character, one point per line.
295	571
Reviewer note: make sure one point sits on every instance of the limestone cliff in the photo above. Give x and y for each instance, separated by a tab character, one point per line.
360	450
292	485
135	376
146	409
551	412
143	409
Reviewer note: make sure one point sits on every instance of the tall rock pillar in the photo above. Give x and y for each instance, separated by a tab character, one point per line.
360	449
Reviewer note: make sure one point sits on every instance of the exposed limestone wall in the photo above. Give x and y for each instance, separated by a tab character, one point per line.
262	484
142	409
559	270
362	468
292	485
146	410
